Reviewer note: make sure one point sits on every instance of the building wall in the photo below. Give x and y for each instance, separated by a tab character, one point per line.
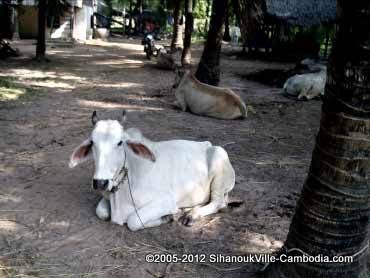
82	23
27	17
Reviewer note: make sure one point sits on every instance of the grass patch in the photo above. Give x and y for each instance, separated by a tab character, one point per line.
10	90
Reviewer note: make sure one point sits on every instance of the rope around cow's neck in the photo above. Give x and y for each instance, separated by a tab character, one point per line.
119	181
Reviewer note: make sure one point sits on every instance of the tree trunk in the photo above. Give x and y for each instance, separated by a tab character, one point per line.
130	20
227	36
250	16
333	212
139	7
327	38
41	47
209	66
189	21
16	23
240	19
177	40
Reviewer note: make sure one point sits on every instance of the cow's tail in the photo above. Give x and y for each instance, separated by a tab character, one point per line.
243	108
231	206
235	204
240	103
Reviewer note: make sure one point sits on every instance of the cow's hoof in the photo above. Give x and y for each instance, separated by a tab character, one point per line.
187	220
102	214
167	218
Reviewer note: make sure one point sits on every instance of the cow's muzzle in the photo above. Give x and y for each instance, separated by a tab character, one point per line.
100	184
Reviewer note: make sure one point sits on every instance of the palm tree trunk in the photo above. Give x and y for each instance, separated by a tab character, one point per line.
139	7
16	23
227	36
208	5
209	66
130	19
41	46
177	40
333	213
189	21
239	11
250	17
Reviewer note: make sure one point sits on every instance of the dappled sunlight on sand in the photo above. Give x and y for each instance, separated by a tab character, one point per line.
34	74
258	243
48	79
119	62
8	226
9	197
59	224
128	46
252	241
128	107
121	85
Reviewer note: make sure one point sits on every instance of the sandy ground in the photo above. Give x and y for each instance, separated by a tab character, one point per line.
48	226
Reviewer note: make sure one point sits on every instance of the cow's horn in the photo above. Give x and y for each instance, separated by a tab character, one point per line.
123	116
94	118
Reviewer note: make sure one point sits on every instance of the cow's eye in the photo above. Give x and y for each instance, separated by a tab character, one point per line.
119	143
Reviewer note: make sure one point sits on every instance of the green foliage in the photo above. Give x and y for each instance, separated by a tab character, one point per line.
120	4
162	8
315	33
201	17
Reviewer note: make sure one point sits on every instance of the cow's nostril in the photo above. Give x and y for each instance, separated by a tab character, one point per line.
100	184
95	184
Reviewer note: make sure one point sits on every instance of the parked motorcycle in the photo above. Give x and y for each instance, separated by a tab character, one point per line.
149	46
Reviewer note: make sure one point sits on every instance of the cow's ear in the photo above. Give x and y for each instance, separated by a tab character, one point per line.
141	150
81	154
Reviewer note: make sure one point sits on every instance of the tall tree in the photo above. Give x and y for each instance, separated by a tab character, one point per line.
209	66
177	40
227	36
139	8
249	15
130	18
41	45
189	22
333	213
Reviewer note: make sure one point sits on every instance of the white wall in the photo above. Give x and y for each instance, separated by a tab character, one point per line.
81	26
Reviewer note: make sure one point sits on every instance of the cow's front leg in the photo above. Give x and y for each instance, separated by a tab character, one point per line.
103	209
151	215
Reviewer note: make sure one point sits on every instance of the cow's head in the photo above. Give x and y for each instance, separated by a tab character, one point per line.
108	145
179	74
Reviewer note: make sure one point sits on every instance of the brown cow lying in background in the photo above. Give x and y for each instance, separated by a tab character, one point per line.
206	100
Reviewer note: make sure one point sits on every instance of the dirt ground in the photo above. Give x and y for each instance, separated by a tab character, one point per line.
48	226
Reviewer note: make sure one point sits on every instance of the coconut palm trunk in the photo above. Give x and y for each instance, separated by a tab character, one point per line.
208	5
209	66
227	36
41	45
130	18
139	7
250	16
333	213
177	40
189	21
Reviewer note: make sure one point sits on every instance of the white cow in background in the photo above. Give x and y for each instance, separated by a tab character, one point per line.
309	85
143	182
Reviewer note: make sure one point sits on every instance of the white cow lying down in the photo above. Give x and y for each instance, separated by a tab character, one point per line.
163	176
306	86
